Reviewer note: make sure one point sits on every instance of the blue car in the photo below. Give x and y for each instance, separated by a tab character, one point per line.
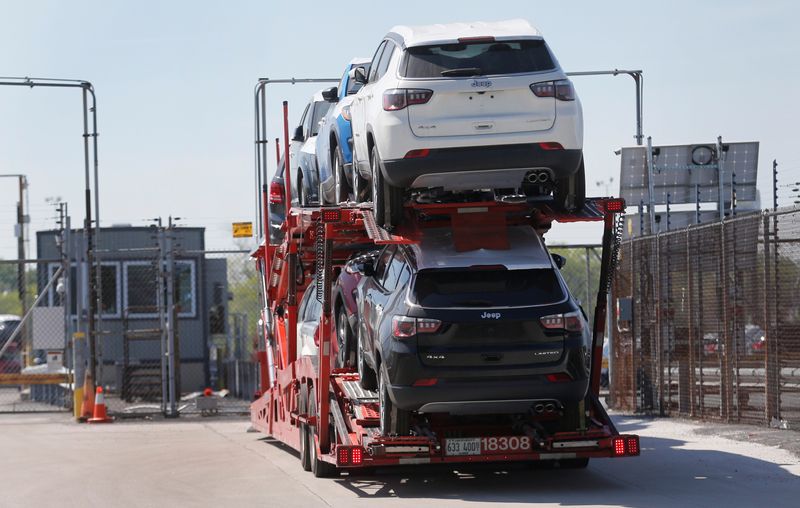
338	183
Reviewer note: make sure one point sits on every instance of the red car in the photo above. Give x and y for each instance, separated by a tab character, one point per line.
345	308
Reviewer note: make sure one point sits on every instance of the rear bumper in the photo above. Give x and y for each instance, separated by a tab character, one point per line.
481	390
486	397
468	168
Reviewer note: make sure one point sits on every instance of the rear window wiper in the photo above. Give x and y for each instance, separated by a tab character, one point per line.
463	71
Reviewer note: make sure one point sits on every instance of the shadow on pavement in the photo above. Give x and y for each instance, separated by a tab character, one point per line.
665	475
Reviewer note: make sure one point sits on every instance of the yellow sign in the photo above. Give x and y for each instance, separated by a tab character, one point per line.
242	229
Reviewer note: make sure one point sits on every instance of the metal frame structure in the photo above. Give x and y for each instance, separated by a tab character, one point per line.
91	235
321	411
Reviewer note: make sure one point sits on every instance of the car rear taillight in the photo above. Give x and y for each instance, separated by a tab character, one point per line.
275	193
346	113
570	321
561	89
404	327
396	99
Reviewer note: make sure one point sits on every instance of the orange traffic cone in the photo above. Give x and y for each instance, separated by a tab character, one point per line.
87	407
100	415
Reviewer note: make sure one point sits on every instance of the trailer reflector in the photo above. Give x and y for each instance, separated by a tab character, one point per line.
357	456
334	215
619	446
615	205
632	443
343	456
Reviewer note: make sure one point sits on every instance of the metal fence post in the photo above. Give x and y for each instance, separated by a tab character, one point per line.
169	309
690	303
726	397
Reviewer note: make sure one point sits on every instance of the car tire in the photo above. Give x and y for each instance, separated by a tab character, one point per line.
302	194
344	334
366	376
302	408
570	192
393	420
320	468
341	190
387	200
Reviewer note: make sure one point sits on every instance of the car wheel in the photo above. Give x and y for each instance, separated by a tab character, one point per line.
387	200
361	188
378	205
393	420
302	408
366	376
344	334
341	190
320	468
302	195
570	192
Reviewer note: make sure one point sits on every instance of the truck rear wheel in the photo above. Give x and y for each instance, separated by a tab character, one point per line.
320	468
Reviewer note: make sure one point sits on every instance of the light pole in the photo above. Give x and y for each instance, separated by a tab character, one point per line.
638	80
606	183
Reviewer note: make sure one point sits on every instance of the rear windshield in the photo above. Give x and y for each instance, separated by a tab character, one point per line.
487	288
477	59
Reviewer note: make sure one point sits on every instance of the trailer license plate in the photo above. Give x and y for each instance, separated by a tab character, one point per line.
464	446
487	445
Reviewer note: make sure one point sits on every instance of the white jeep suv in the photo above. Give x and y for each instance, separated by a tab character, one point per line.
466	106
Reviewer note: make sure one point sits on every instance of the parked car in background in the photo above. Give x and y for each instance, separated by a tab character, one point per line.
335	140
478	332
302	152
466	106
308	313
752	341
345	306
9	361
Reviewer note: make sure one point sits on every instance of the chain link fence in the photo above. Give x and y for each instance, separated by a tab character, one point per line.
708	321
172	321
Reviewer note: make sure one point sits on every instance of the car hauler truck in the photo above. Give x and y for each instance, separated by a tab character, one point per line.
324	413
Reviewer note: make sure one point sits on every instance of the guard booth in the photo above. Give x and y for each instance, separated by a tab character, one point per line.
133	321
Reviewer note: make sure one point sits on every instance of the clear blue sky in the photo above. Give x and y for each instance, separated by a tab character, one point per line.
174	82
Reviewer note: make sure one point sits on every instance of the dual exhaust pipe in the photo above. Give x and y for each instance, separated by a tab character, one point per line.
538	177
545	408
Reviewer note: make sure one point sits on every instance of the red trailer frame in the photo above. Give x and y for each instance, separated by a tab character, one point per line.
322	412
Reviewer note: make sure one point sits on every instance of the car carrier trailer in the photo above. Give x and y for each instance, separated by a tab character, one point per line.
322	412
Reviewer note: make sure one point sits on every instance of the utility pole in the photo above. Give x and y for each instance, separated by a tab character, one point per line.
21	278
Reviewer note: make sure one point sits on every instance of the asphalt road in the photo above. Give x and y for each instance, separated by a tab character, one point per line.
46	460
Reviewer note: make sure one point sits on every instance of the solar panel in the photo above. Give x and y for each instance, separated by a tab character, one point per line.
686	171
